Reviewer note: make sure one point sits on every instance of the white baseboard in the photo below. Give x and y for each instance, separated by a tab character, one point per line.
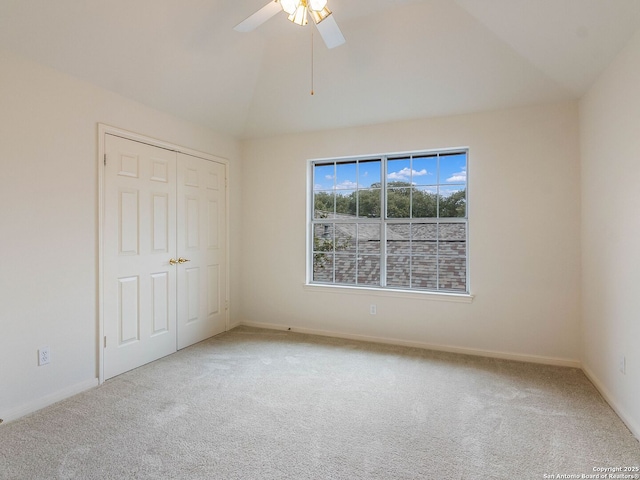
47	400
563	362
234	325
610	399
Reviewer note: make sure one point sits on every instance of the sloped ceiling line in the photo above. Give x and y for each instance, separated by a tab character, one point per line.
403	59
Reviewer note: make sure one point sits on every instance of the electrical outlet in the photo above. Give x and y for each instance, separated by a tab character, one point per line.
44	356
623	364
373	309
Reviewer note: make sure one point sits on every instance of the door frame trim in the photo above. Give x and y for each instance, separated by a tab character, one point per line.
104	130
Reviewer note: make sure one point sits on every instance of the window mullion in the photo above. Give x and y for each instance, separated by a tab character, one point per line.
335	176
411	183
383	222
357	249
357	190
410	254
437	256
438	187
438	224
333	253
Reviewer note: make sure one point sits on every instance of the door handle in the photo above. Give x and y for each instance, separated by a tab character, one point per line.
173	261
183	260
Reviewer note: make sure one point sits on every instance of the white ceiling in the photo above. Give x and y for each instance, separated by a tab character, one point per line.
403	58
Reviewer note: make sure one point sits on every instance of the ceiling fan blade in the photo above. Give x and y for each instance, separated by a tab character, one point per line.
258	18
330	32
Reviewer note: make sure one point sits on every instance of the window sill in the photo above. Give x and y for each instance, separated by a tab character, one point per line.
384	292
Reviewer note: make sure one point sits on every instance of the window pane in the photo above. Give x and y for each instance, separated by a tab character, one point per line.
423	272
323	237
369	270
369	203
452	273
346	176
453	201
398	270
398	239
425	170
323	176
323	204
368	238
322	232
323	267
369	174
425	202
398	202
399	172
453	169
452	239
345	269
345	240
398	259
424	238
345	203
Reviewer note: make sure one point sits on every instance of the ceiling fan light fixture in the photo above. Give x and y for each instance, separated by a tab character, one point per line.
290	6
317	5
319	16
298	12
300	15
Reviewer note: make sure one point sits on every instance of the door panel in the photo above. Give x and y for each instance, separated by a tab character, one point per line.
128	314
139	239
202	241
160	205
160	218
160	302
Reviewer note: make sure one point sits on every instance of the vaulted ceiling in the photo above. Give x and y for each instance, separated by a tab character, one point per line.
402	59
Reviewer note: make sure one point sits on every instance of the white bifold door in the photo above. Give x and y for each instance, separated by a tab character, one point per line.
164	252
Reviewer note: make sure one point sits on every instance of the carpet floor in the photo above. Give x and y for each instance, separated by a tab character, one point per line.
262	404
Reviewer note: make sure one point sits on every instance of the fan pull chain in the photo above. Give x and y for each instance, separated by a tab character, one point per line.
312	62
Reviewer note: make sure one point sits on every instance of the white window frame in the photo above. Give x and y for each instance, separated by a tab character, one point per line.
438	293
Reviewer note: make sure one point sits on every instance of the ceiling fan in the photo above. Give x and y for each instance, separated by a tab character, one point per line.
298	11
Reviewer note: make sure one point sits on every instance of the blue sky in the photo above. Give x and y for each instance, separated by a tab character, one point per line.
420	171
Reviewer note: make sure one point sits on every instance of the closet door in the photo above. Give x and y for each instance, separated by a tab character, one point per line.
139	242
202	248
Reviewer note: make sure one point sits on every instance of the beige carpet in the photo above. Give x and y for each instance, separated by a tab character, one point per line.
260	404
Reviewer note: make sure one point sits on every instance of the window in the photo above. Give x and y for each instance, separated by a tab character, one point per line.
390	221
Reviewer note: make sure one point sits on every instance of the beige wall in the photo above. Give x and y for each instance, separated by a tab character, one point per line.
524	236
48	223
610	151
525	186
